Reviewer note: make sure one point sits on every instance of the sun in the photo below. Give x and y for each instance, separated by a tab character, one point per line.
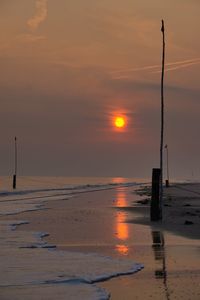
119	122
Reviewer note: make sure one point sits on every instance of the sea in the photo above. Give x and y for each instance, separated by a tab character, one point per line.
44	182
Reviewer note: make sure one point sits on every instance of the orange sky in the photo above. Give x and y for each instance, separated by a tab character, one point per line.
68	66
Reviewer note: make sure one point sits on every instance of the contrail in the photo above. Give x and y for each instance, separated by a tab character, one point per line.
179	67
135	69
40	15
179	64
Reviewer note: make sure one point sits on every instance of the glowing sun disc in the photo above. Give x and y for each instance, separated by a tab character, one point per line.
119	122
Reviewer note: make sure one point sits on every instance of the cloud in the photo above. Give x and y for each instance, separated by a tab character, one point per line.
40	15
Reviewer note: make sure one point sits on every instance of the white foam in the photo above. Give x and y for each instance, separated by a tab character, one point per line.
24	267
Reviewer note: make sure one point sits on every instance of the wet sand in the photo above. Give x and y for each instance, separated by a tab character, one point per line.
172	257
181	210
113	223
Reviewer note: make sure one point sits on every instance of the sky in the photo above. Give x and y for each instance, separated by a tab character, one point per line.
69	67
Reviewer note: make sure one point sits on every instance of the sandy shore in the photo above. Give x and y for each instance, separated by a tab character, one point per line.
181	210
171	257
114	223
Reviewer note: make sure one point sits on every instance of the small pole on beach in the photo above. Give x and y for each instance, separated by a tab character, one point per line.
15	174
167	159
162	119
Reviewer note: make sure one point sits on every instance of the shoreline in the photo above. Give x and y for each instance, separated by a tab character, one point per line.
126	235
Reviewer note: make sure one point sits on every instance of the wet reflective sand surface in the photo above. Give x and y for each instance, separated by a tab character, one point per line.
99	222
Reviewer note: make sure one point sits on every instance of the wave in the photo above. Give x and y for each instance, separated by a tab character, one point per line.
60	273
71	188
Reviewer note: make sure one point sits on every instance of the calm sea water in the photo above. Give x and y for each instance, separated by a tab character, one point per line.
34	182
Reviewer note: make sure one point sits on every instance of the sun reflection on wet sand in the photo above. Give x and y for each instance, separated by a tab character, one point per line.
122	230
122	249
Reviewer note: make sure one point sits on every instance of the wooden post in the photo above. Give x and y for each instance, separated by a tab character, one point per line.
14	181
155	195
167	162
15	174
162	119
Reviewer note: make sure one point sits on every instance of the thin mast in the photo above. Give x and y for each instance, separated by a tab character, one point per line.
15	174
167	163
162	119
16	156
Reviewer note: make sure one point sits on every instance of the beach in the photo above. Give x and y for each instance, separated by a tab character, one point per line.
108	226
99	111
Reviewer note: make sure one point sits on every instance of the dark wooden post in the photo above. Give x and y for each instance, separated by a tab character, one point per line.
162	119
14	181
15	175
155	195
167	159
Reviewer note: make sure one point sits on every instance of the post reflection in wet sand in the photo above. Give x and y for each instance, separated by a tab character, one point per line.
122	230
160	257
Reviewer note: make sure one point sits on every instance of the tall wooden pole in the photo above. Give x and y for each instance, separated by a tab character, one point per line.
162	119
15	155
15	174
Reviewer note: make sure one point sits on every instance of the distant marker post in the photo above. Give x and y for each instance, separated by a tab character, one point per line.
167	160
15	173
